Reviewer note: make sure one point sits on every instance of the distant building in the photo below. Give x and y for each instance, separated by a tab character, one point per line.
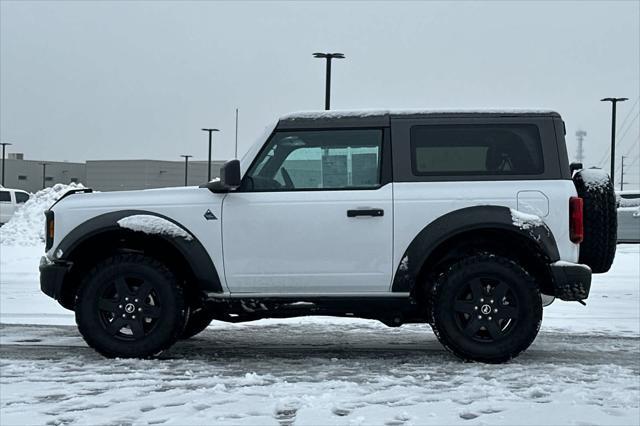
105	175
121	175
27	174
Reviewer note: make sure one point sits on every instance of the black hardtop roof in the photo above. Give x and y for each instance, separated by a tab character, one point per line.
373	118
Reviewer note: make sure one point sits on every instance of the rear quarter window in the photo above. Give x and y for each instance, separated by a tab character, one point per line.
476	149
21	197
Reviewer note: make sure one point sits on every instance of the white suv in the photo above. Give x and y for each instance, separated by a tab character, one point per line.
463	220
10	200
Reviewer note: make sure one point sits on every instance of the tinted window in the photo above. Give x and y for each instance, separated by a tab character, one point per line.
323	159
5	196
476	149
21	197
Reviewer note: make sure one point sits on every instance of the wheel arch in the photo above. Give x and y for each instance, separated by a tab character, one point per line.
102	236
478	228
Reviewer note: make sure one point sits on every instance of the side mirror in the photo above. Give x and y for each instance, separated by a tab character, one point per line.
229	178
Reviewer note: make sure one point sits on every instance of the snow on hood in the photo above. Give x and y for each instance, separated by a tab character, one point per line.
26	227
525	220
153	225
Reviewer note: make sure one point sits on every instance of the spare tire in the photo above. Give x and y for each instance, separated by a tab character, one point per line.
598	248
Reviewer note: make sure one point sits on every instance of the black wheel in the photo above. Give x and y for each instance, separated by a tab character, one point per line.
130	306
197	321
486	308
600	217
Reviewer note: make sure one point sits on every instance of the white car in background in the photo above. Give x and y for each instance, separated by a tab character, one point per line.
628	216
10	200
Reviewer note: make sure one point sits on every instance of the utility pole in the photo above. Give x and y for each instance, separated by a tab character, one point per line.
210	131
4	144
622	173
236	150
186	167
44	174
613	101
327	87
580	134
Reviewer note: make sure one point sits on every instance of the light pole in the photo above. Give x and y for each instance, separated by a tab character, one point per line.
327	87
44	174
210	131
613	101
186	167
4	144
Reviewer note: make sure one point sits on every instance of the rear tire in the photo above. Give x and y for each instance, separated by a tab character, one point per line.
130	306
486	308
197	322
600	224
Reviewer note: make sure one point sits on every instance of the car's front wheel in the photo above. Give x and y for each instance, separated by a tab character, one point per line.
486	308
130	306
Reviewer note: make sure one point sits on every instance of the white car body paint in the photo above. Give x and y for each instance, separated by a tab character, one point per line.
303	241
185	205
416	204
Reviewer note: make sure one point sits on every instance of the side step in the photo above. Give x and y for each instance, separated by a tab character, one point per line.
392	309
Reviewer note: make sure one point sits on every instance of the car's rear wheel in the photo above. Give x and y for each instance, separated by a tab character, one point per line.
486	308
130	306
198	320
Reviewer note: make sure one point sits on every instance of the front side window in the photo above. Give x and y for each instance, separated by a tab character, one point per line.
316	160
21	197
476	149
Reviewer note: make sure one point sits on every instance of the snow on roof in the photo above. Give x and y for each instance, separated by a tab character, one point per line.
333	114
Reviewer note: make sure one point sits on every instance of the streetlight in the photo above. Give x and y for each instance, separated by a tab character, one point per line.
44	173
186	167
209	163
4	144
613	101
327	87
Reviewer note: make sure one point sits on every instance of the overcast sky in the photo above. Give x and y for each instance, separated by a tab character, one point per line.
84	80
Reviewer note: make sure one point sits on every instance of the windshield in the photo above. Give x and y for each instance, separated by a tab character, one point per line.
248	157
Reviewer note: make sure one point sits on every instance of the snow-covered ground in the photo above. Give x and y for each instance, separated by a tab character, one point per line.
584	367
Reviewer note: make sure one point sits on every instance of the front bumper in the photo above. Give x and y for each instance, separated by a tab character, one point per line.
52	277
571	281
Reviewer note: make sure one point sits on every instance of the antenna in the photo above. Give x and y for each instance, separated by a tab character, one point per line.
236	155
580	134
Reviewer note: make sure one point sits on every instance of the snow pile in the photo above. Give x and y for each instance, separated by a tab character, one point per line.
595	179
26	227
153	225
525	220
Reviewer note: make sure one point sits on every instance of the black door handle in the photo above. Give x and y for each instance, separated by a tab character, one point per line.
365	212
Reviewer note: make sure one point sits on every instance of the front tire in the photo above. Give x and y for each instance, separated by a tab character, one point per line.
486	308
130	306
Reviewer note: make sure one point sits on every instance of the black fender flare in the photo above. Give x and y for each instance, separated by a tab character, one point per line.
460	221
193	252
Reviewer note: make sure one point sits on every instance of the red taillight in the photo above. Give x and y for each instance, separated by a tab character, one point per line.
576	223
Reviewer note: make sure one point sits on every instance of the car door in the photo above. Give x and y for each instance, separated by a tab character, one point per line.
313	215
6	205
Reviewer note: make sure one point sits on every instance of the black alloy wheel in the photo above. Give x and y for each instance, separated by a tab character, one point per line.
486	308
130	306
